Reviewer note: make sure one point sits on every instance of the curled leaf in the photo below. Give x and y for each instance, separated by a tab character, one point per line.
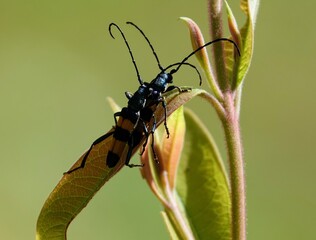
218	53
197	41
75	190
233	26
250	8
171	148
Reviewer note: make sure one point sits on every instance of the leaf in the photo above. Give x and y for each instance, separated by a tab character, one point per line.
216	30
171	148
174	100
253	9
169	151
250	8
75	190
231	55
197	41
202	184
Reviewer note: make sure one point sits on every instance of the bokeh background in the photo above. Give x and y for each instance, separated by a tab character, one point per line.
57	66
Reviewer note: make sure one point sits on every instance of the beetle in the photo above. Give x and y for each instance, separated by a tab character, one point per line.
132	122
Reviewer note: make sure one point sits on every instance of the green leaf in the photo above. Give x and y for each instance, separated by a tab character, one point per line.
202	184
250	8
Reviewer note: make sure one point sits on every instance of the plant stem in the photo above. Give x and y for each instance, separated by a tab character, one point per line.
235	158
216	31
179	222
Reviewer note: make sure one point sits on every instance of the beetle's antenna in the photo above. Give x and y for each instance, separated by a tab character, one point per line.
199	48
149	43
129	49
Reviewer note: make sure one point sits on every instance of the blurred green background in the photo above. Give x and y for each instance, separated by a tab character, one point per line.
57	66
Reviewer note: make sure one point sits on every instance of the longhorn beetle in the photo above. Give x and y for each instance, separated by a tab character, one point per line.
132	124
